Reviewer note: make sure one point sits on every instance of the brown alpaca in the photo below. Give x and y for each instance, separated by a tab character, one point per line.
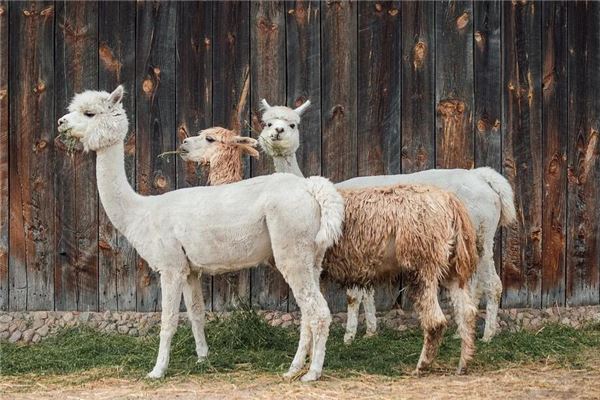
423	231
221	150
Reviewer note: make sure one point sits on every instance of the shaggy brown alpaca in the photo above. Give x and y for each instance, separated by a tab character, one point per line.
423	231
221	150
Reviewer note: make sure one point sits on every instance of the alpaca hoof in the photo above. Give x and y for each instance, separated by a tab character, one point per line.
348	339
155	374
310	376
370	334
487	337
461	371
416	373
201	360
291	374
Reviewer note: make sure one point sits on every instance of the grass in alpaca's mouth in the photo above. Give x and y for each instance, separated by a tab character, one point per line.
166	154
70	142
245	341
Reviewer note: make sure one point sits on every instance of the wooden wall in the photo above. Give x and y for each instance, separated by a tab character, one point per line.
395	86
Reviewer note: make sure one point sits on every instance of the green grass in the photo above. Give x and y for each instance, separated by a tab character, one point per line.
246	342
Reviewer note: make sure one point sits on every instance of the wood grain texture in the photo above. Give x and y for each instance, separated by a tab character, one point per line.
418	86
4	185
231	87
155	117
76	223
378	132
522	133
268	81
454	84
487	82
583	238
117	259
33	127
555	136
303	60
194	92
339	104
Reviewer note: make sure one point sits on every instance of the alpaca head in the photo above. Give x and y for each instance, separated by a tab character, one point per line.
97	119
280	136
215	143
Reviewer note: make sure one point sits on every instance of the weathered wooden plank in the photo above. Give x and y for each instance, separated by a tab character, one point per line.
268	81
339	103
583	245
303	60
117	259
555	129
194	91
4	194
231	87
155	117
454	84
418	86
32	122
378	132
487	82
522	104
76	223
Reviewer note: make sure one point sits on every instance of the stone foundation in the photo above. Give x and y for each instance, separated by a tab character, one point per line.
31	327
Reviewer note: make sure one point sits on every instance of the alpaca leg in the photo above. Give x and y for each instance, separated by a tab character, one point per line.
354	296
194	303
493	294
316	313
370	312
304	346
464	314
171	283
433	321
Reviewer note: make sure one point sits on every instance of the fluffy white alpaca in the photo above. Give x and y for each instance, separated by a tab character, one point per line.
486	194
237	226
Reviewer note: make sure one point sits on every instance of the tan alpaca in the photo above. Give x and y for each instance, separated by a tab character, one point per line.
421	230
221	150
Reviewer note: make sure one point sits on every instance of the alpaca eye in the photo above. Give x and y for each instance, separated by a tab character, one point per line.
210	140
88	114
292	126
269	124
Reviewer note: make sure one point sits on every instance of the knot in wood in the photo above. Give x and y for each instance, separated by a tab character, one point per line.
462	21
393	11
266	26
207	42
160	182
378	7
451	108
419	53
148	86
337	111
3	94
2	11
40	88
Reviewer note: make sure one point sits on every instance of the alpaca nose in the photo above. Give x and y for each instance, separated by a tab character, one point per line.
279	130
61	121
186	140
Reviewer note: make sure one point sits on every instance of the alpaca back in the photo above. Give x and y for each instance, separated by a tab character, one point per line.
408	227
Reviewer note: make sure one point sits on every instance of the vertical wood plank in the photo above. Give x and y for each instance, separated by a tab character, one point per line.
76	224
268	81
33	127
194	91
303	60
454	84
488	96
522	146
378	133
418	86
339	103
116	66
231	86
155	117
4	193
583	245
555	135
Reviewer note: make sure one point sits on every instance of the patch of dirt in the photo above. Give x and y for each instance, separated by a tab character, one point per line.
530	382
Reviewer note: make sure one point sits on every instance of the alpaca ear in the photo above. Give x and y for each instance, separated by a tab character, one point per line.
300	109
117	95
245	140
265	105
251	151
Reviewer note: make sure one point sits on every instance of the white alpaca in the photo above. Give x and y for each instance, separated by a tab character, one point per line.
236	226
486	194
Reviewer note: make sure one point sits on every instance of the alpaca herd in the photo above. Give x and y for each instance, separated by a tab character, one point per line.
435	227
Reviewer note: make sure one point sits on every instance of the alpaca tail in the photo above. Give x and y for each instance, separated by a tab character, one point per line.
500	185
332	211
465	249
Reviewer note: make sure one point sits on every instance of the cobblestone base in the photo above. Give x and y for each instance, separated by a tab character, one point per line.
31	327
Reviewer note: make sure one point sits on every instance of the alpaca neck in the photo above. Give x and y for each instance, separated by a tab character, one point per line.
118	198
225	167
288	164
